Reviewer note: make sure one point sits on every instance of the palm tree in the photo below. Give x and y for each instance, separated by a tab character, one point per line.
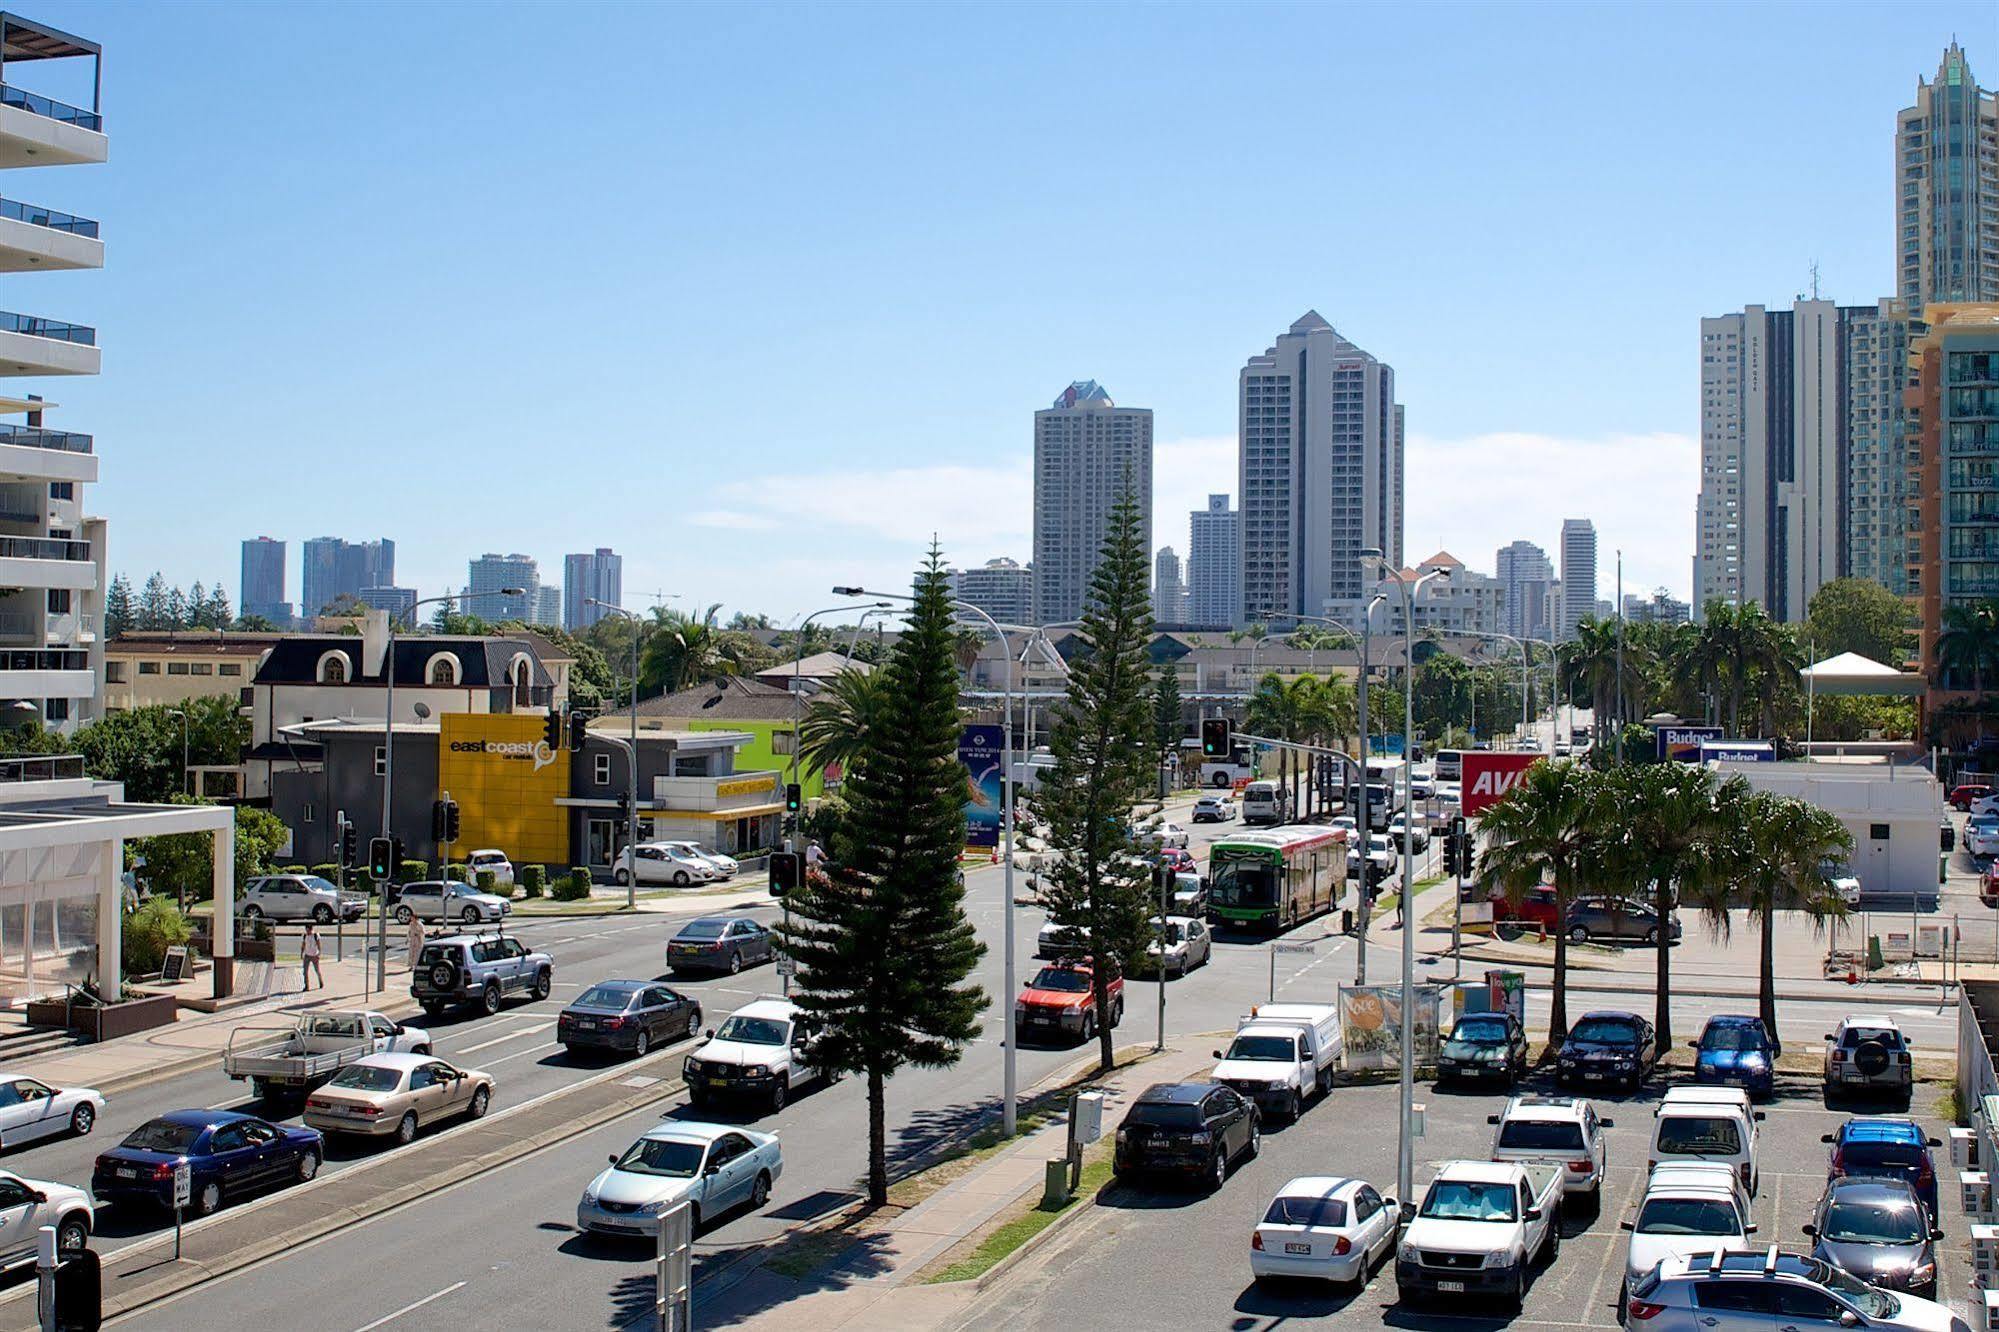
681	650
1546	829
1592	657
1969	642
1713	650
835	729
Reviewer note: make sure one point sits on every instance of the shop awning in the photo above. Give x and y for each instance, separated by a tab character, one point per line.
740	812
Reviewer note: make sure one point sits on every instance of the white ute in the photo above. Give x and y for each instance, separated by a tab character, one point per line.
281	1061
1283	1055
1480	1226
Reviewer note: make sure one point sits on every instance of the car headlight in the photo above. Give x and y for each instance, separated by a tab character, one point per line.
756	1071
1405	1252
1201	1139
590	1195
1922	1272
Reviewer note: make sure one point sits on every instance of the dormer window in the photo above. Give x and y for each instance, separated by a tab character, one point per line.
334	668
523	683
444	669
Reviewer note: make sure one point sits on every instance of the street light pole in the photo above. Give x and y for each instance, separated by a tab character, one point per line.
632	795
182	714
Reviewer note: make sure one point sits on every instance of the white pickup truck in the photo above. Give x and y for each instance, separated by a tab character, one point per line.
1283	1055
1480	1226
291	1061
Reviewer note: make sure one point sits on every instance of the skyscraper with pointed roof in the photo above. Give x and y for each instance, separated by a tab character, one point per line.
1319	473
1087	449
1947	190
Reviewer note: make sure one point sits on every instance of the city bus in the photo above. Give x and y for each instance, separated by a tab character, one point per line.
1272	880
1218	773
1450	765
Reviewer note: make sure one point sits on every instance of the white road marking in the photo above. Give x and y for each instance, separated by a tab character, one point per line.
535	1030
534	1049
411	1308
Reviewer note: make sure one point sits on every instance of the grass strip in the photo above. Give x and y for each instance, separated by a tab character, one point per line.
1021	1229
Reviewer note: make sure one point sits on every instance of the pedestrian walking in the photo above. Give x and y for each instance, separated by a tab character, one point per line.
415	938
308	955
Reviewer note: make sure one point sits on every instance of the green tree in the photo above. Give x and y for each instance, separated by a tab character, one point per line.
881	941
253	624
682	651
838	726
1859	615
154	609
185	862
1101	739
118	607
1166	723
141	747
216	613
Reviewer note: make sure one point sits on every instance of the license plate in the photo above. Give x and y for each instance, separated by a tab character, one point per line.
586	1024
1451	1287
126	1172
722	1077
1305	1249
1592	1077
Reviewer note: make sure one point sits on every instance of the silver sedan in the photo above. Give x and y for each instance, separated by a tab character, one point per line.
1183	941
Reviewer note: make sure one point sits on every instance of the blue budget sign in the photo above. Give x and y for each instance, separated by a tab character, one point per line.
1682	744
982	751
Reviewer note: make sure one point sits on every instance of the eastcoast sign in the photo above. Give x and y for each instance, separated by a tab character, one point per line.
1489	776
537	752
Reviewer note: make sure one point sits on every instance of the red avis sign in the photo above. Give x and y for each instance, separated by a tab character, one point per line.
1489	776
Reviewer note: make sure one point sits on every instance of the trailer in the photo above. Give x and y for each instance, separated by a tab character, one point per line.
288	1062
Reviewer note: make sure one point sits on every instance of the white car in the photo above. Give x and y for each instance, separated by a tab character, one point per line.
432	900
492	862
1680	1214
715	1167
26	1205
1325	1228
32	1109
1419	836
1187	945
1345	823
1214	809
655	862
1379	850
1055	941
1981	835
1565	1130
1167	836
725	867
1840	876
1986	804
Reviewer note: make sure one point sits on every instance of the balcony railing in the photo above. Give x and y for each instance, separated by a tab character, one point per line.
43	548
44	659
36	327
38	216
50	107
34	437
46	768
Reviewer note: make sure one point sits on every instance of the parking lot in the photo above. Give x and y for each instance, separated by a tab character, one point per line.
1164	1258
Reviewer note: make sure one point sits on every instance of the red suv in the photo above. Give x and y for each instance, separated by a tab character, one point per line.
1962	796
1057	1003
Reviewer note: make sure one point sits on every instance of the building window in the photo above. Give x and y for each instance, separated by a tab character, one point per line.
444	669
381	760
333	668
201	668
114	672
230	668
59	600
56	710
149	668
603	766
523	683
244	696
305	813
62	490
176	668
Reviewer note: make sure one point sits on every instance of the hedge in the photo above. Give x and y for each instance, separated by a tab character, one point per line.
414	871
533	879
489	882
572	887
458	872
330	873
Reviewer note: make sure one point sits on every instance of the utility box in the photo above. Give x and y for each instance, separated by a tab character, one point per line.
1088	1121
1417	1112
1055	1184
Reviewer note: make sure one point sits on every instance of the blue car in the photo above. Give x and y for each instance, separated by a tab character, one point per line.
1881	1147
228	1155
1736	1051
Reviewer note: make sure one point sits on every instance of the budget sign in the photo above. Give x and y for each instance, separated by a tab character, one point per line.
1488	776
1682	744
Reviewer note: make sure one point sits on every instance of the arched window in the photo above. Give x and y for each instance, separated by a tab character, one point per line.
523	683
444	669
333	668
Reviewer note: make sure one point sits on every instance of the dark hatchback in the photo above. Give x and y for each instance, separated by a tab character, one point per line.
1484	1046
1878	1230
718	943
1885	1148
1193	1129
627	1015
1608	1049
1734	1050
228	1155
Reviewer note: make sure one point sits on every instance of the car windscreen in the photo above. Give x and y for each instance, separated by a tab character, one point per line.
1881	1155
1688	1216
1541	1135
1165	1114
1887	1036
1464	1200
1239	883
1699	1135
751	1031
657	1156
1329	1212
360	1077
1732	1039
703	929
612	997
1065	980
1482	1031
318	885
1874	1222
162	1135
1605	1031
1283	1048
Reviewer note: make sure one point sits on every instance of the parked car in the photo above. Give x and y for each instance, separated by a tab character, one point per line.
1965	794
1878	1230
763	1051
290	1061
397	1094
1179	944
1058	1002
1708	1124
1880	1147
1324	1228
1565	1130
1196	1130
1483	1047
482	970
1685	1212
1215	808
626	1015
657	862
298	897
1734	1049
1283	1056
489	860
725	867
1536	907
26	1205
718	944
714	1167
1608	1048
1053	942
1988	884
432	899
228	1155
1981	835
1617	920
1845	884
1419	833
1480	1226
1985	804
31	1109
1868	1056
1759	1290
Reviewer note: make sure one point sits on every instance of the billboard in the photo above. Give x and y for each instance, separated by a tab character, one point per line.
1682	744
506	781
1371	1024
1738	751
1489	775
982	751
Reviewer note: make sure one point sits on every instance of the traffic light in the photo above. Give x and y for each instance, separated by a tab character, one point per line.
579	730
437	822
1450	855
551	729
396	857
786	869
350	838
1215	737
444	821
1467	856
381	858
794	797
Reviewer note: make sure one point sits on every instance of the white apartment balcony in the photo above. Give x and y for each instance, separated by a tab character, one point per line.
35	239
40	131
35	346
46	673
46	562
36	454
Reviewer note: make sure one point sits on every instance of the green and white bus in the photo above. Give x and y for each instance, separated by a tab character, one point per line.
1271	880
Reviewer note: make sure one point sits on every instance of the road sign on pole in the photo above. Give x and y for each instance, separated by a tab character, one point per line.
183	1195
673	1268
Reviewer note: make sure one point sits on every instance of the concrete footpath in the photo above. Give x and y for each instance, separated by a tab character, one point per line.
873	1281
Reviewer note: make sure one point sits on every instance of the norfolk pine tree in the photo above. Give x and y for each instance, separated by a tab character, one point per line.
1166	709
880	939
1102	740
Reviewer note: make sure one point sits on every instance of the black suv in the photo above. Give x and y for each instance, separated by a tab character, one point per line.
481	970
1608	1047
1196	1129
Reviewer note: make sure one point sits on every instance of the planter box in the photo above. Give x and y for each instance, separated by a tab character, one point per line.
104	1024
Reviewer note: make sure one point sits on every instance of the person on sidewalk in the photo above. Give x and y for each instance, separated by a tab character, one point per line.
415	939
308	956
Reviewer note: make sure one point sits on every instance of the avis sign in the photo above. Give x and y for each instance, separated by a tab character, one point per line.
1489	776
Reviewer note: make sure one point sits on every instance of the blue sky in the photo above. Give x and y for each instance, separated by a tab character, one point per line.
762	297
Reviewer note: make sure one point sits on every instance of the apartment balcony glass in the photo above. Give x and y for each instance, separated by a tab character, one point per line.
37	104
45	768
34	437
36	327
43	548
44	659
38	216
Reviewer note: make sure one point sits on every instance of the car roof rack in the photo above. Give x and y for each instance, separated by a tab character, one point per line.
1770	1261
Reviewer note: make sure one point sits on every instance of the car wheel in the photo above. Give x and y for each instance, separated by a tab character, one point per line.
1218	1170
735	962
1517	1298
1294	1105
1551	1247
489	998
209	1201
253	913
1117	1012
322	914
406	1128
1652	936
543	983
308	1166
640	1044
480	1100
72	1235
420	1049
1089	1028
693	1023
681	879
777	1096
1255	1141
402	915
82	1120
470	915
621	877
1578	934
760	1191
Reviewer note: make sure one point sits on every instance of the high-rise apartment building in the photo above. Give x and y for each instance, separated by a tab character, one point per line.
1947	190
52	575
262	591
1319	473
1169	594
1878	494
1578	574
1464	601
588	579
333	569
547	604
1087	451
399	602
1214	565
1525	574
487	576
1001	588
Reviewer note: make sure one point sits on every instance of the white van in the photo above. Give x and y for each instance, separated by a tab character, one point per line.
1265	802
1695	1124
